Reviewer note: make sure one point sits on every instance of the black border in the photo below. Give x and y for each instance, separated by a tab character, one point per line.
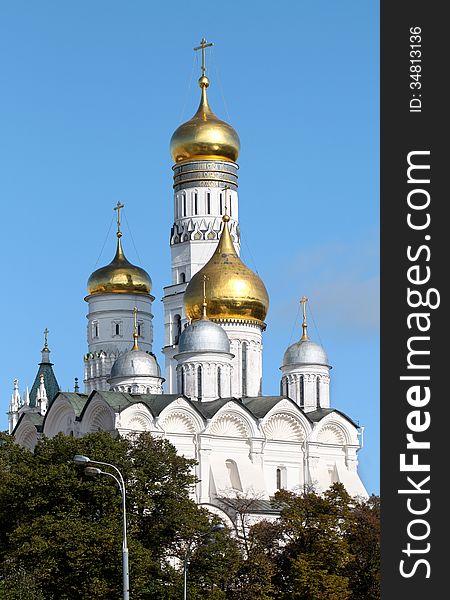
402	132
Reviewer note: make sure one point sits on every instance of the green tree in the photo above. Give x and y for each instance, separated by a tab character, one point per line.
64	529
363	536
315	552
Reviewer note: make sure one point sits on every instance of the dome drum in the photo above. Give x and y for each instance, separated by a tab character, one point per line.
205	174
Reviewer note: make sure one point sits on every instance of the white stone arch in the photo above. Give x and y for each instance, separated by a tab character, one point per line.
26	435
230	422
332	433
219	512
284	427
179	421
60	418
98	416
180	417
136	418
289	408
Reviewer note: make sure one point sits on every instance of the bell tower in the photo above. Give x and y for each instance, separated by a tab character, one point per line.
205	176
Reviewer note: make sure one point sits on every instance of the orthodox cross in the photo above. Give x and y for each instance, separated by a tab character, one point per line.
118	207
135	332
46	332
204	296
225	189
203	45
303	301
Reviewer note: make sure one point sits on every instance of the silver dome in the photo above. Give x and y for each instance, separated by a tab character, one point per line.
305	352
135	363
204	336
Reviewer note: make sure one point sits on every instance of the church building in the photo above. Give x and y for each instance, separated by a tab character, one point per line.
208	400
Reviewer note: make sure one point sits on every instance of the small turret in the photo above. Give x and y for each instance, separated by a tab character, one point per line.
306	371
41	397
14	405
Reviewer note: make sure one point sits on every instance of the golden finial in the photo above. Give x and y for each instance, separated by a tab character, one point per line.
203	44
204	305
46	332
118	207
135	332
303	301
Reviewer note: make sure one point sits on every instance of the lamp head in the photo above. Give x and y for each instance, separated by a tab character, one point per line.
92	471
79	459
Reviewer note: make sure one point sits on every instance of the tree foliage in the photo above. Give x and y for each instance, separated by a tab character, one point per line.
61	532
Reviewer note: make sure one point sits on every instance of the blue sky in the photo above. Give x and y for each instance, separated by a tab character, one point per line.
91	93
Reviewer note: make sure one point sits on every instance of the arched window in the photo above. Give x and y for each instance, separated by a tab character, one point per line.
219	383
221	204
139	329
284	386
281	478
244	369
195	203
199	383
233	475
184	204
182	277
229	208
176	329
208	203
302	391
181	381
278	479
318	391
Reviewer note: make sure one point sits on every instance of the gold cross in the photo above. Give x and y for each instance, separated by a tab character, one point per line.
118	207
135	333
303	301
203	45
204	296
224	189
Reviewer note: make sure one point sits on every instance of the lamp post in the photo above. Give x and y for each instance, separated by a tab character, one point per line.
79	459
217	527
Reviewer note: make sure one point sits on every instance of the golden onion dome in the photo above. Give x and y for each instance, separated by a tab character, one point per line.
205	136
234	292
120	276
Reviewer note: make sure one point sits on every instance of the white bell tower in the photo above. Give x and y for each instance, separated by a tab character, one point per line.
204	150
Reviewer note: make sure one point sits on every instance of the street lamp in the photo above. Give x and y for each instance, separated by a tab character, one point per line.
218	527
79	459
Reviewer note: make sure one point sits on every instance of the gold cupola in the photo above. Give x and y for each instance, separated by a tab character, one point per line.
205	136
120	276
234	291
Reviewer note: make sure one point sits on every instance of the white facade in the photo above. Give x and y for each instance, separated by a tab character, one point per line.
253	446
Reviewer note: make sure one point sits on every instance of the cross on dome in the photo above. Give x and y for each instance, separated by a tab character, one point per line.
135	331
303	301
118	207
203	44
46	332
